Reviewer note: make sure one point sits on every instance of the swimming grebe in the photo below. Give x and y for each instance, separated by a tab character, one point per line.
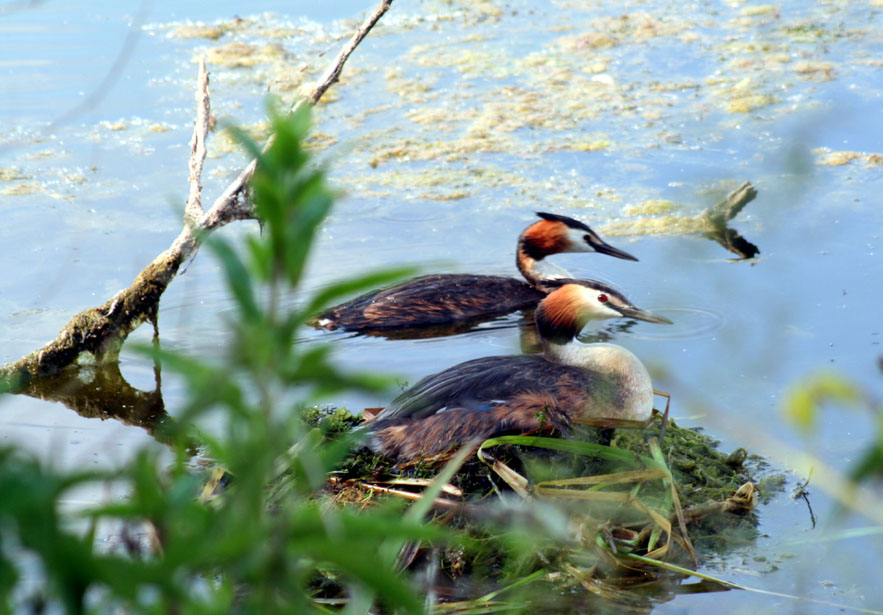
446	299
492	395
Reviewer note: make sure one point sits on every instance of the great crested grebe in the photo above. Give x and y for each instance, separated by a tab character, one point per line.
493	395
446	299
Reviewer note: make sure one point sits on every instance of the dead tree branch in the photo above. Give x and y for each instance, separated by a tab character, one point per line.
717	217
728	208
197	145
101	331
234	204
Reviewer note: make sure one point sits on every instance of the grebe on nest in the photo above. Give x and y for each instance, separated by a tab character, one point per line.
447	299
570	382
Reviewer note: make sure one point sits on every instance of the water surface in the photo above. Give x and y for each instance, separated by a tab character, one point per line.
453	124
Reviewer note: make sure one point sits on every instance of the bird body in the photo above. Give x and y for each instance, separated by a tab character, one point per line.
570	382
432	301
447	299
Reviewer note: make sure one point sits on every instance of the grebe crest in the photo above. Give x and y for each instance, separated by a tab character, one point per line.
555	234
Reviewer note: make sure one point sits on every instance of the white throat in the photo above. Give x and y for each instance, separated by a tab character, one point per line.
544	270
613	364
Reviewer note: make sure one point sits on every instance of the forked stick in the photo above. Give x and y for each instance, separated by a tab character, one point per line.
101	331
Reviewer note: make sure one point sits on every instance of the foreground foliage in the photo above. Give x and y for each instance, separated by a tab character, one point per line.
297	518
178	553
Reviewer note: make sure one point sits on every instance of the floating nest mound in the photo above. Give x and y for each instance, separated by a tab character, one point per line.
602	510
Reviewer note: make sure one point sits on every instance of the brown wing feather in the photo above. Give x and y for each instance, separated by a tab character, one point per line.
480	382
479	399
526	411
432	300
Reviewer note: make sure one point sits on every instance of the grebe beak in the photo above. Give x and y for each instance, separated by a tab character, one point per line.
630	311
605	248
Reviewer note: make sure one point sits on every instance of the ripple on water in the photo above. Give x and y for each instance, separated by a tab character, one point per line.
689	323
409	212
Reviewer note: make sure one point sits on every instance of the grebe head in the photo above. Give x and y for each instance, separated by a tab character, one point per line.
573	303
554	234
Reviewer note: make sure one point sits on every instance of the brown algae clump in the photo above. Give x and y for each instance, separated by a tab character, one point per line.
651	207
22	189
186	31
829	158
11	174
244	55
661	225
751	102
114	126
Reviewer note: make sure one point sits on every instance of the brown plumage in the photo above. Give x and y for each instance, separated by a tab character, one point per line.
432	301
544	238
482	416
448	299
494	395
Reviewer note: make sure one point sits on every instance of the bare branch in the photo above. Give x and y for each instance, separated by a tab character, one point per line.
333	73
193	210
729	207
717	217
234	197
102	330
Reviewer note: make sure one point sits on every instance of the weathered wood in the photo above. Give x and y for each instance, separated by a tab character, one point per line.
730	206
717	217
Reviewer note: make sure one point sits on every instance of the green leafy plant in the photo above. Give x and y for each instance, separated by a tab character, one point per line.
186	554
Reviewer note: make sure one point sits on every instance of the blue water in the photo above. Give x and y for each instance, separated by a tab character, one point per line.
110	201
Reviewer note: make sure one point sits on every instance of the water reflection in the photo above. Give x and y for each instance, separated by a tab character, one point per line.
101	391
733	242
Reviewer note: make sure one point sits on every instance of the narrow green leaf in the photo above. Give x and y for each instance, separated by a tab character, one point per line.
573	446
238	280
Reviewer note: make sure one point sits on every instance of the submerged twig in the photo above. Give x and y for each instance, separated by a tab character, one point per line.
741	502
801	491
717	217
732	585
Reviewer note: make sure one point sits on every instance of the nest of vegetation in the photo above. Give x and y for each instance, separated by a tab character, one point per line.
630	509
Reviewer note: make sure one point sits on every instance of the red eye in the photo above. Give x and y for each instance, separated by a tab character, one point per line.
602	298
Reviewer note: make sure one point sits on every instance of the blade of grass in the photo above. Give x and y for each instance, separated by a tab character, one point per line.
674	501
572	446
614	478
516	481
390	548
519	583
732	585
858	532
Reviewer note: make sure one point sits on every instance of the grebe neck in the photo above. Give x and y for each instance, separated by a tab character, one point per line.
535	268
621	384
